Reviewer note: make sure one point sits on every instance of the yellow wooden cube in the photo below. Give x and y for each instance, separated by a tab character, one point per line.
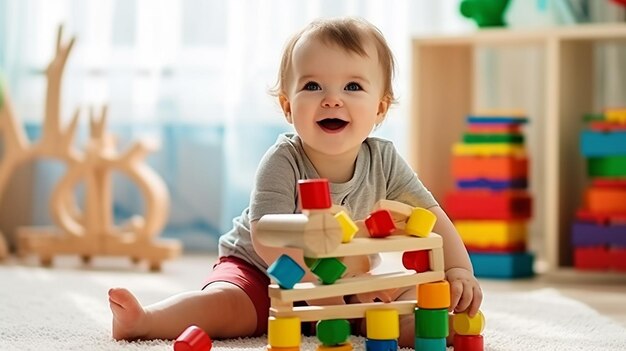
488	149
492	233
283	331
420	222
348	227
433	296
463	324
382	324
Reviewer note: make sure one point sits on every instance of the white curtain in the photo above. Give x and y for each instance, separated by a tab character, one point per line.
193	74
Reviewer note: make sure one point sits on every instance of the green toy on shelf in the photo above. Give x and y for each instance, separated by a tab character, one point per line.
486	13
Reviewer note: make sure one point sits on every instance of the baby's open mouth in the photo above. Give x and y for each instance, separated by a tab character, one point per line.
332	124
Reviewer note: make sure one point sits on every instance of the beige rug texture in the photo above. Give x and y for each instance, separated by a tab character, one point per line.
66	308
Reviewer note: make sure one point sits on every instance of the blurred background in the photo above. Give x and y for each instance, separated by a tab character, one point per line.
194	75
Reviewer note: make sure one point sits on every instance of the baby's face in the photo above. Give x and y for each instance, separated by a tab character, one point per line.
334	96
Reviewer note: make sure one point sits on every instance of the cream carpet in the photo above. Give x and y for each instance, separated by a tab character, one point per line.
66	308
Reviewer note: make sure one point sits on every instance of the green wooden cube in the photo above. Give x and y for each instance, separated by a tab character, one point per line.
328	270
333	331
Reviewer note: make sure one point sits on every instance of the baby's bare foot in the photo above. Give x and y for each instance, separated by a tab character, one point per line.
129	318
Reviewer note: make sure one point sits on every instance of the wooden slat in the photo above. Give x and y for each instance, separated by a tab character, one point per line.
316	313
393	243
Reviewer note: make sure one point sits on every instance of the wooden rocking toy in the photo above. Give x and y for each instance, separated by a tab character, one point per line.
89	232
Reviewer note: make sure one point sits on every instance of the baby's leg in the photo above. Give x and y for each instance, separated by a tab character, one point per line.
222	310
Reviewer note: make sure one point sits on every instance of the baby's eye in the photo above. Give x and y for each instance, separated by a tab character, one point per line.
352	86
311	86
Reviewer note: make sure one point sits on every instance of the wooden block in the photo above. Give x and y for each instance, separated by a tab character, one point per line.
348	227
431	324
423	344
605	199
311	291
613	166
498	168
328	270
382	324
493	138
506	266
283	331
433	295
617	259
316	313
285	272
193	339
490	128
602	144
418	261
317	234
400	212
420	222
505	205
468	343
591	258
380	224
314	194
463	324
436	260
492	184
491	149
332	331
381	345
615	115
584	215
492	233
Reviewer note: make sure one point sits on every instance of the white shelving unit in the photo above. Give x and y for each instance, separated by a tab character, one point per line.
444	92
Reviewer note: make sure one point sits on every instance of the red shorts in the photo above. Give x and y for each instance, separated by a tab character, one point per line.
248	278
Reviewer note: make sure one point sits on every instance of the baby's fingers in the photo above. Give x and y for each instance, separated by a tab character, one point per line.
476	301
466	297
456	290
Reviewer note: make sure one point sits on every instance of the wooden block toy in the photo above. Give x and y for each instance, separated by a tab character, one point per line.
492	184
584	215
503	249
591	258
343	347
316	234
285	272
89	230
608	183
468	343
481	204
617	259
424	344
496	138
283	331
333	332
314	194
382	324
380	224
499	168
491	149
589	234
270	348
348	227
418	261
605	199
490	128
613	166
463	324
497	118
381	345
497	265
420	223
433	296
328	269
400	212
431	324
601	144
603	126
492	233
616	115
193	339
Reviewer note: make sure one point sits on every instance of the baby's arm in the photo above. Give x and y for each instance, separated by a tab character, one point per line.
466	294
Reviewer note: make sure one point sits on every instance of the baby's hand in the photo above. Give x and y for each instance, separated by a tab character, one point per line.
465	293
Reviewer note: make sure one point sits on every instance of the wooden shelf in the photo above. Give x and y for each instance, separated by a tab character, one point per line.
444	92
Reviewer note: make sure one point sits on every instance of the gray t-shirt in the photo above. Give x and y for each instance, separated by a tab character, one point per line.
380	173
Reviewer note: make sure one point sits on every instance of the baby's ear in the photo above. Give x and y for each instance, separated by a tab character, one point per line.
286	106
383	107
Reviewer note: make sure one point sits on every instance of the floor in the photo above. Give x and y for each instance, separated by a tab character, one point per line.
604	292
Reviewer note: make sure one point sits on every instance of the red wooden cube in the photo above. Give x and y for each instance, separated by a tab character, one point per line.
380	224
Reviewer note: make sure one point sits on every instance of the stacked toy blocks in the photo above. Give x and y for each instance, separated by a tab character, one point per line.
468	331
491	206
599	231
391	227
